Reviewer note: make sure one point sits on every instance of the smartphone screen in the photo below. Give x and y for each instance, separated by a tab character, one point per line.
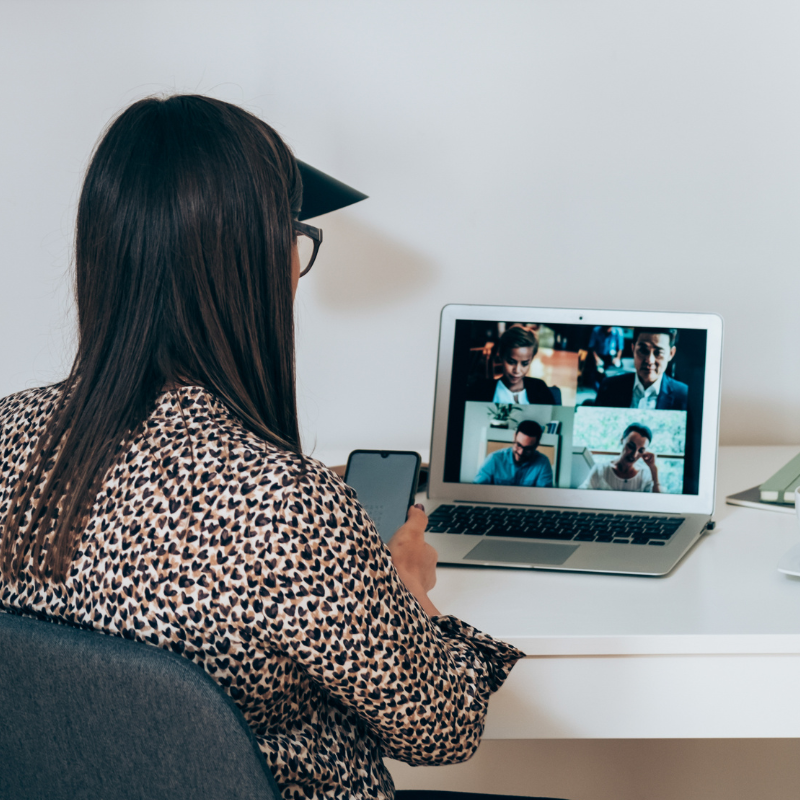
385	482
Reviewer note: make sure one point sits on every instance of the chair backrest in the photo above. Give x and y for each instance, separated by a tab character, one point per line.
84	715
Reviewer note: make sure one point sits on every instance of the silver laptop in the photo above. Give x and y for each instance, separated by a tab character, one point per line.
573	439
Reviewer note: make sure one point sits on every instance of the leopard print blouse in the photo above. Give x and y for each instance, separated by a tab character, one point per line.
262	567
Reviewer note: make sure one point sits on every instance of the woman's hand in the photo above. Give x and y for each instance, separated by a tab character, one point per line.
650	459
414	559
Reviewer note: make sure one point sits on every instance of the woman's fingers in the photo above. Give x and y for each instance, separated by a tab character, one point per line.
414	559
416	519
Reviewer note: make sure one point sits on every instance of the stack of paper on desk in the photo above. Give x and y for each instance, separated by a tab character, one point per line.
780	487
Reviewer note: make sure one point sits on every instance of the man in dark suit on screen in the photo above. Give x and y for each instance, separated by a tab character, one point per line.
648	386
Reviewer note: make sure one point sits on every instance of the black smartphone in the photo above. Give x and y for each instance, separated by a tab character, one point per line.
385	482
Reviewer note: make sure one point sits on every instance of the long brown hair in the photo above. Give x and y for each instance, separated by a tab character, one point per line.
183	275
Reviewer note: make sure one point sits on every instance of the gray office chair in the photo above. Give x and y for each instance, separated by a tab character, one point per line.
83	715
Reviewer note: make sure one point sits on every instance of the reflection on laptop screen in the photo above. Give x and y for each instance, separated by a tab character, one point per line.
576	406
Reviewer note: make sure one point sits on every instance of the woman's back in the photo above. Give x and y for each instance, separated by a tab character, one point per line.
188	518
260	565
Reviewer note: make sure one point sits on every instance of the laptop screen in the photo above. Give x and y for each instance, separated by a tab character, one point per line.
556	405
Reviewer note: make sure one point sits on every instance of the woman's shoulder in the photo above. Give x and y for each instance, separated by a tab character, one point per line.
602	473
234	459
31	397
534	383
538	391
24	411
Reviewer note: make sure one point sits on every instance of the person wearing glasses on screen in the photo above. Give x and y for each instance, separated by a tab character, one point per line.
516	349
648	386
160	491
520	464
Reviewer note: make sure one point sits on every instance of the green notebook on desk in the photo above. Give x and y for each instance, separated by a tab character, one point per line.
751	498
780	487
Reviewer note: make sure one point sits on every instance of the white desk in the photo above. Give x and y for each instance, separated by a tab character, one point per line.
711	650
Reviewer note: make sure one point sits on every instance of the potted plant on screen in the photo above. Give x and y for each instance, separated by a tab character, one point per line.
500	414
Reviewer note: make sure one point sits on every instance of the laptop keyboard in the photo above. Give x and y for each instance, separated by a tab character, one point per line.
562	526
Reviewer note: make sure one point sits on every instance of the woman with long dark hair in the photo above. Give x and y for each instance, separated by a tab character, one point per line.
160	493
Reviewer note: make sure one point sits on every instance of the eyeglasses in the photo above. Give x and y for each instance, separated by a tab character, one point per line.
308	240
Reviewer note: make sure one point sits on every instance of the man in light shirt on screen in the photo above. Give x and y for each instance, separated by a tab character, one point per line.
623	474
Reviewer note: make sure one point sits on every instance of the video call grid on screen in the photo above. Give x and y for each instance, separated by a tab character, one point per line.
556	405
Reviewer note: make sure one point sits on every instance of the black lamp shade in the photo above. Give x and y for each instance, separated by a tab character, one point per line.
322	194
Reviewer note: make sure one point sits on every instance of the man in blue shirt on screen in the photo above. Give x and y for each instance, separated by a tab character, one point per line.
520	464
606	343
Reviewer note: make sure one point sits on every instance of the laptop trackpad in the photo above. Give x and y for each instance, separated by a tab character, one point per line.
521	552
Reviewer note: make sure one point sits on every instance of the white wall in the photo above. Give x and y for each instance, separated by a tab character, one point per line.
621	154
